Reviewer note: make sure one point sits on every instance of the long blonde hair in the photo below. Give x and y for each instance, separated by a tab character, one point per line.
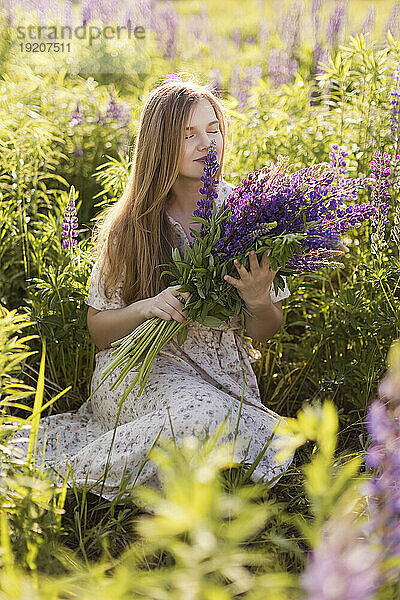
136	229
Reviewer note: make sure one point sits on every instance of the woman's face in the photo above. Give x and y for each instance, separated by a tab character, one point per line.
202	127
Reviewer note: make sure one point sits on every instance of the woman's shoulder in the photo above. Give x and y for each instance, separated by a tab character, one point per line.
226	185
224	188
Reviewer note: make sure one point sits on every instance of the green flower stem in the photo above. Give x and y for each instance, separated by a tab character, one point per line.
107	372
136	333
130	362
133	342
142	375
124	357
143	372
164	325
162	334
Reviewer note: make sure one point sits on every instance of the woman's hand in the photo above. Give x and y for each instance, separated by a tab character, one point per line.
254	286
166	306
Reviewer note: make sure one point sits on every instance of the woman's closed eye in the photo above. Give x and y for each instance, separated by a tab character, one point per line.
189	136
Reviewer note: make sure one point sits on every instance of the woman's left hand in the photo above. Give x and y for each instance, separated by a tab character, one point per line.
254	286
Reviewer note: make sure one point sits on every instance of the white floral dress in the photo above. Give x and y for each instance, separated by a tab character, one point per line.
190	390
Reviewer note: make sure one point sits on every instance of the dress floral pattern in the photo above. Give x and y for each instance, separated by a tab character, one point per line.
191	389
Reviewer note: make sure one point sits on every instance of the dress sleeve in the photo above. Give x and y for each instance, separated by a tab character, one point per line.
96	297
285	293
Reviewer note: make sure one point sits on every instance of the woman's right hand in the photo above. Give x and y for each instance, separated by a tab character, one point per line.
166	305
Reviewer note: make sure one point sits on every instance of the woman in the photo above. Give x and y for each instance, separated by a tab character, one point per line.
193	388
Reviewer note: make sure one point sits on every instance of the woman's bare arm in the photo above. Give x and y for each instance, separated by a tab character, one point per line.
106	326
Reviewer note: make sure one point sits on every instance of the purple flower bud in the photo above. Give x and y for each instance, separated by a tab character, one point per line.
208	190
76	117
70	223
120	112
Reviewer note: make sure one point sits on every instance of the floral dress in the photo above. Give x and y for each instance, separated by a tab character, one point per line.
190	390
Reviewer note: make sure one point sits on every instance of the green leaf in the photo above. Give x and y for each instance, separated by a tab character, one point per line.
210	321
201	270
196	234
197	304
200	220
176	255
182	335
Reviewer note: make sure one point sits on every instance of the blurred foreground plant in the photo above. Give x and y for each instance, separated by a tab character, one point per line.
30	506
355	536
205	531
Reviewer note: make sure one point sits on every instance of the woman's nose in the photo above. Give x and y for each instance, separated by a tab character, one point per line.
204	140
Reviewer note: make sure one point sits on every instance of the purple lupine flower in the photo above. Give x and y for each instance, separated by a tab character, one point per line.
86	12
392	24
315	8
380	176
41	8
70	222
239	86
251	75
68	13
165	25
354	561
320	56
141	11
383	454
341	566
281	67
78	151
263	33
335	24
216	77
395	103
395	230
199	26
100	119
103	10
290	28
380	167
310	203
337	161
76	117
236	37
236	87
395	111
368	24
208	190
120	112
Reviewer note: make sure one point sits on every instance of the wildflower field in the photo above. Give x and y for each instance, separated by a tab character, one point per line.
312	80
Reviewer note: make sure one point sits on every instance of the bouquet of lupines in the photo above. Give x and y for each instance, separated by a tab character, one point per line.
296	218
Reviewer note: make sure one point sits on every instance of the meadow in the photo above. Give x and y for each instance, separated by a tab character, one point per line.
295	78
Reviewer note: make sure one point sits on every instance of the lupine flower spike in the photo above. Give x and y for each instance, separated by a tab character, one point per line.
383	490
208	192
70	223
314	201
76	117
120	112
380	167
395	127
343	565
